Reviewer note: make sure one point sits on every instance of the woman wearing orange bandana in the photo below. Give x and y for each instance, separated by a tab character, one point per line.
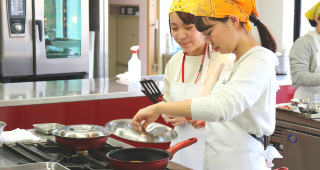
241	106
190	73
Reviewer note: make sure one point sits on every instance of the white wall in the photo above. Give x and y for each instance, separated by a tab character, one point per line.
277	15
143	7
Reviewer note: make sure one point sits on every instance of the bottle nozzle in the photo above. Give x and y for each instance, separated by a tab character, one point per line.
135	49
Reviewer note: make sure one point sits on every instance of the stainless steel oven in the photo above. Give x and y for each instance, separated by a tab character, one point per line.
298	144
44	37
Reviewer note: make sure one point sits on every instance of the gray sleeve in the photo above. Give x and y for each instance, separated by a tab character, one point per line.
303	63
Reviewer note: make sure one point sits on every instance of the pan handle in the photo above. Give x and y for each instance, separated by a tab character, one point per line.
181	145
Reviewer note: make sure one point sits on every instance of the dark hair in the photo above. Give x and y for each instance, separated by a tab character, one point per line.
313	23
187	18
267	40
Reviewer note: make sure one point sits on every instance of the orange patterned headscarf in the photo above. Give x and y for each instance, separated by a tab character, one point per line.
225	8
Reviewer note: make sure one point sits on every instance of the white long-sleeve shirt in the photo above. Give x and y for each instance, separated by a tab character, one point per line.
249	96
218	64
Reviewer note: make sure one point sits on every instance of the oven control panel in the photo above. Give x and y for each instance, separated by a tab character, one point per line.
17	17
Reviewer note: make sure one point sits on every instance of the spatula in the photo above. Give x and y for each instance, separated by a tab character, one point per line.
152	90
151	87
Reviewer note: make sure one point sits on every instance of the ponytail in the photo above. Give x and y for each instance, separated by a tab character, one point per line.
266	38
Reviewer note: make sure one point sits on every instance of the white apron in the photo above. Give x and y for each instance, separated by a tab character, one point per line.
191	156
229	146
308	92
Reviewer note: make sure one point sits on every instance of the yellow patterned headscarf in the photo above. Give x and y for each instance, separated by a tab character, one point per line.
225	8
183	6
313	12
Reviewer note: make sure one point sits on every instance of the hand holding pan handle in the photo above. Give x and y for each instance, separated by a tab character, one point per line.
181	145
202	123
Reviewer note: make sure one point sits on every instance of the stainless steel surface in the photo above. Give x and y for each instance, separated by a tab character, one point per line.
16	50
297	140
155	132
101	42
71	91
5	162
304	111
301	151
37	166
156	40
295	102
47	128
2	125
81	131
62	65
304	108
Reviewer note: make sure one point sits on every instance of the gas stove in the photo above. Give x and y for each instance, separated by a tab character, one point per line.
19	154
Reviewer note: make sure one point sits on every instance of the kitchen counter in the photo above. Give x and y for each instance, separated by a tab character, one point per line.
111	141
284	80
45	92
297	118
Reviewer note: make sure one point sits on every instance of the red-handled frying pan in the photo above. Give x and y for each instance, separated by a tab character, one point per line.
145	158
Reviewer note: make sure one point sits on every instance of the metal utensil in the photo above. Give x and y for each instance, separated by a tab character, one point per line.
154	133
47	128
36	166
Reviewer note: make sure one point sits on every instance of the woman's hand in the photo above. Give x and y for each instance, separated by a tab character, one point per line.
196	123
176	120
149	114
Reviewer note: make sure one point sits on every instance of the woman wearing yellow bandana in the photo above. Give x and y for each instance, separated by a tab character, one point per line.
184	81
305	59
242	104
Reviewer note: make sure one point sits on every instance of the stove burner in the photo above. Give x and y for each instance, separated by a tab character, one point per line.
74	160
82	152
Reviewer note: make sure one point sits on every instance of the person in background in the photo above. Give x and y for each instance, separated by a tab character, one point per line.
241	106
305	59
190	73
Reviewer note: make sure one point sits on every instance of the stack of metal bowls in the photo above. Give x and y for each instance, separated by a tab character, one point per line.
2	125
307	105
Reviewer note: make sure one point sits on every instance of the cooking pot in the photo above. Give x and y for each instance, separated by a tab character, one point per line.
81	137
144	158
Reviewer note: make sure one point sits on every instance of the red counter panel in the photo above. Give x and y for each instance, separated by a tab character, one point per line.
97	112
285	94
12	116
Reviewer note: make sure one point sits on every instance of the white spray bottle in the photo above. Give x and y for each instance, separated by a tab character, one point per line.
134	65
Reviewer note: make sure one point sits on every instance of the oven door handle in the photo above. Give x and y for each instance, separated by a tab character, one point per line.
40	28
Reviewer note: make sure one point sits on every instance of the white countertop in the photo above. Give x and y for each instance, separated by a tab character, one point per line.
45	92
284	80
